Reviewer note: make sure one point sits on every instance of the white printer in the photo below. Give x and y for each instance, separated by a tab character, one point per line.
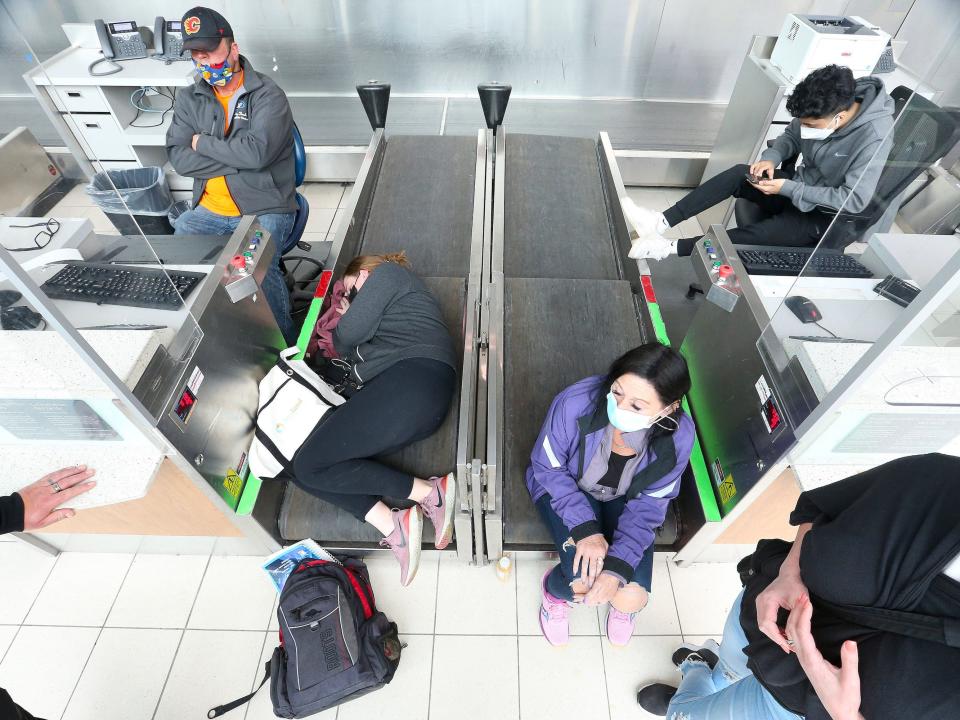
808	42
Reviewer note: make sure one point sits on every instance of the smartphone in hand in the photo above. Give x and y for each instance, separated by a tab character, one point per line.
753	179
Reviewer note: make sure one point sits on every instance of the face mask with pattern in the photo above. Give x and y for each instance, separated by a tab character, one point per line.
216	75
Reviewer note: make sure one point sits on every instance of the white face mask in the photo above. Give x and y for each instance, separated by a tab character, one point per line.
625	420
809	133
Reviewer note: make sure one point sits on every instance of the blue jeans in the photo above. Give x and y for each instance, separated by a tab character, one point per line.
728	692
201	221
607	514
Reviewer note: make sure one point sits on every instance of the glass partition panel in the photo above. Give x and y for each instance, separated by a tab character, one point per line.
870	298
101	254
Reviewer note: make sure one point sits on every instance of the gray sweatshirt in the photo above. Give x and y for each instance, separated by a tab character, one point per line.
255	155
393	317
847	163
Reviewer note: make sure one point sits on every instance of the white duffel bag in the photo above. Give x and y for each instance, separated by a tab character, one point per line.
294	400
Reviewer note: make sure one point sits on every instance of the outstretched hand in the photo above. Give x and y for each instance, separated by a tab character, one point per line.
42	497
837	687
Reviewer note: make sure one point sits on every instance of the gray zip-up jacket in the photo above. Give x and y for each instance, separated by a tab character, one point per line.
255	156
393	317
846	163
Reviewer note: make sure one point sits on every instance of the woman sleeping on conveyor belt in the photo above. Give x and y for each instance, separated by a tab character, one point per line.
858	618
402	374
605	467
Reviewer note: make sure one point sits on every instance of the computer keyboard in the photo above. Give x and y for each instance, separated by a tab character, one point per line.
763	260
106	284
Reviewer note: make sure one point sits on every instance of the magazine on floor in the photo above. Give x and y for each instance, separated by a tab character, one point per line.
279	565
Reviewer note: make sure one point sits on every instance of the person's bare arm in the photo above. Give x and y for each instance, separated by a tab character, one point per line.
784	592
837	687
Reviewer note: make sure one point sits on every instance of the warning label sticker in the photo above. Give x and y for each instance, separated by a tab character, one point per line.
727	489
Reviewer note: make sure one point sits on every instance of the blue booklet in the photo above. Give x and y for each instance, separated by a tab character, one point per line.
279	565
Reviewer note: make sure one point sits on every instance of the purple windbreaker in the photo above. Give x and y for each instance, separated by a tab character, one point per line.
556	468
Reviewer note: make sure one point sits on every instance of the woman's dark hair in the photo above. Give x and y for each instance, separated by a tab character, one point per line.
823	93
661	366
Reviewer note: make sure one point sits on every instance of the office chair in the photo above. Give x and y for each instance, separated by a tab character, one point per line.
923	133
300	272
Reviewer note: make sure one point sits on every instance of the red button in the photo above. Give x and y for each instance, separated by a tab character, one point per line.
239	262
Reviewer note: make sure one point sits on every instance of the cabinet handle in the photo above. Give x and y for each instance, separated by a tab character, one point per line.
73	94
93	126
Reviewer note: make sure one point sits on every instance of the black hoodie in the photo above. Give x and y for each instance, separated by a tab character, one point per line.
880	539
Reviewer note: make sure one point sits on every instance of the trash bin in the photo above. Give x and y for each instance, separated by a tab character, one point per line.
176	210
147	197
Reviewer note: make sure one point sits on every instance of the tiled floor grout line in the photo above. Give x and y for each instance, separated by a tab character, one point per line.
606	678
676	606
256	675
516	603
97	639
433	641
35	597
183	632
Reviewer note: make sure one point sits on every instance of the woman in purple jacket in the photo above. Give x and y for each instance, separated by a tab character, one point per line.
607	463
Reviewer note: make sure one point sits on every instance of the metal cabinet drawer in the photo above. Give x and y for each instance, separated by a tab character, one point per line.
100	136
78	98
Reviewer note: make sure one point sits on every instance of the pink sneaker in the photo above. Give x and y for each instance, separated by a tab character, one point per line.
620	626
554	612
439	505
405	541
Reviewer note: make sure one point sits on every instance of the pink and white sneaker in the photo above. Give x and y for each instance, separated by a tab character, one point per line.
620	626
405	541
554	616
439	505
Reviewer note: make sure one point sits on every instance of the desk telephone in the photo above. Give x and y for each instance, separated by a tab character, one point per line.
119	41
168	40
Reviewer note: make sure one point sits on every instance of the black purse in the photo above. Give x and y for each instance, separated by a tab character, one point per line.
339	375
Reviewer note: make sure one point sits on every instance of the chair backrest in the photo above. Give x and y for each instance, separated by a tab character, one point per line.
923	134
299	156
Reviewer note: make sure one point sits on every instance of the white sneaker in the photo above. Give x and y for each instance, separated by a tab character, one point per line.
649	226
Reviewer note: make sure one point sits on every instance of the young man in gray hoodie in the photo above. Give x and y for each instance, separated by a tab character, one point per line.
232	132
842	127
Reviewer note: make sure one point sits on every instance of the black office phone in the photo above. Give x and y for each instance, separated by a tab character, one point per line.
168	40
121	40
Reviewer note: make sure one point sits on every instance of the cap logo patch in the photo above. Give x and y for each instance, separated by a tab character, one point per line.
191	25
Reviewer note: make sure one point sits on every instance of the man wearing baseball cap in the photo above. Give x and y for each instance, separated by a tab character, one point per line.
232	132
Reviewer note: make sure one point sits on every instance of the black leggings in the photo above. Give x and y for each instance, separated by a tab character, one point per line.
783	223
405	403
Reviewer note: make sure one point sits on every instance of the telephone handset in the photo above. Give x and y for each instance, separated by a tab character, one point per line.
119	41
168	40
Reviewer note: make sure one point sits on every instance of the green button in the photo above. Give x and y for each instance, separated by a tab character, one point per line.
248	254
259	234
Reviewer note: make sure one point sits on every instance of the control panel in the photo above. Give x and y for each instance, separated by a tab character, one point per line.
724	290
239	279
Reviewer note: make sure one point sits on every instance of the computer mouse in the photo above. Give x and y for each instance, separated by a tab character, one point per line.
804	308
21	317
9	297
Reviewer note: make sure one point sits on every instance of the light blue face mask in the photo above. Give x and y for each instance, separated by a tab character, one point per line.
625	420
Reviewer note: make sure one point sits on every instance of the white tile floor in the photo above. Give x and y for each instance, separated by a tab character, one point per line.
95	636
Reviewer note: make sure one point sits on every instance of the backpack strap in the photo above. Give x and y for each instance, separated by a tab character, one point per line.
221	709
945	631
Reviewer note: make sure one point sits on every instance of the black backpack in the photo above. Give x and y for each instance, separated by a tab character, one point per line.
334	643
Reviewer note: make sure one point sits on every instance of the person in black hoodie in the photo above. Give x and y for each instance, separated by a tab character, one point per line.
32	508
858	618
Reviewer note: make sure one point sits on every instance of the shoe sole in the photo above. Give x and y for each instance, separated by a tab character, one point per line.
445	534
414	542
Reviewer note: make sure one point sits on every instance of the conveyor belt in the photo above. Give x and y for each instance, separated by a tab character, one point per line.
578	327
303	515
555	218
422	204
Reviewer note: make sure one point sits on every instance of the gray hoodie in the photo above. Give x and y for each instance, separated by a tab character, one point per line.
393	317
847	163
255	156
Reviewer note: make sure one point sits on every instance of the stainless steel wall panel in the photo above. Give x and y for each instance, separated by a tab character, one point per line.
700	45
631	124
